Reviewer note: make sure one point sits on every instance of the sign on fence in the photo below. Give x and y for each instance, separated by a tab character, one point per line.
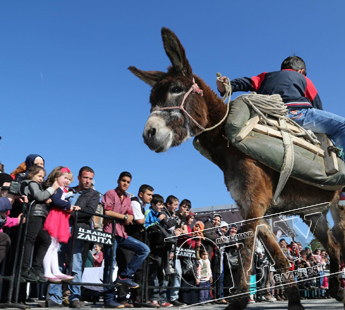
94	235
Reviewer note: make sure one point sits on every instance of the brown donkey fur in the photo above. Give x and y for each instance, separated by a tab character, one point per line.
250	183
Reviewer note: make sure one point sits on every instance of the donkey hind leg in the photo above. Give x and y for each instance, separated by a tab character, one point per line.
320	229
281	264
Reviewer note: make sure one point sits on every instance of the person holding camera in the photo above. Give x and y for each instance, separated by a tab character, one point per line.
9	192
5	182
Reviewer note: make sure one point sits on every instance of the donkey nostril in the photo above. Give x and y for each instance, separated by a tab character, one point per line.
151	132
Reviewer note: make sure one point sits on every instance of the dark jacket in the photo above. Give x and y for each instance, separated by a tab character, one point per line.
58	202
170	221
136	231
87	201
38	196
296	90
210	233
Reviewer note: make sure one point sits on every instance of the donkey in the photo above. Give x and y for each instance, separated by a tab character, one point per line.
182	106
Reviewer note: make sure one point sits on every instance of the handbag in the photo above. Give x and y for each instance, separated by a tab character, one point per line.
232	258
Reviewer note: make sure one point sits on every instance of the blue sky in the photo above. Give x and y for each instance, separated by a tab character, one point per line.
66	92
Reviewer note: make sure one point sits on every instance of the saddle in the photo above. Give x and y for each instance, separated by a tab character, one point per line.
262	138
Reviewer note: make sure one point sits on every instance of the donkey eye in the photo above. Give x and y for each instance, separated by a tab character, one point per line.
176	89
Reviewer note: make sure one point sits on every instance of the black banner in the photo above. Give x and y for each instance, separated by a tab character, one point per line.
93	235
181	252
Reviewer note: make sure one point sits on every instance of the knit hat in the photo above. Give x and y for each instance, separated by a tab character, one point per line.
4	177
308	247
191	214
201	225
223	223
215	215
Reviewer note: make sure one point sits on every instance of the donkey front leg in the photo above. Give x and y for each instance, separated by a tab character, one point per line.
281	265
239	300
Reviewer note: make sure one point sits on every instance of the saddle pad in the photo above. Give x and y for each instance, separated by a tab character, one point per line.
309	164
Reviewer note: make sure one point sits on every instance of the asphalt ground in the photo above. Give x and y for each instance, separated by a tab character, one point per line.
324	304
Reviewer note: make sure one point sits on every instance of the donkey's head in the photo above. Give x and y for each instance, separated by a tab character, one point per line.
178	109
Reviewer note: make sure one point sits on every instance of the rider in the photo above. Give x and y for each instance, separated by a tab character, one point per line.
299	95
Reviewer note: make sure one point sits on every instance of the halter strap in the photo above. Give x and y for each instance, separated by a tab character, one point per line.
194	89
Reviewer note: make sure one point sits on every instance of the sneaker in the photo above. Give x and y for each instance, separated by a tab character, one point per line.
29	275
39	272
154	303
127	304
52	304
263	298
341	202
269	298
75	304
177	303
139	304
251	301
166	304
127	282
113	304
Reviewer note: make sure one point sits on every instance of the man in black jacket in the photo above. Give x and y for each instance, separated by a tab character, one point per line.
87	199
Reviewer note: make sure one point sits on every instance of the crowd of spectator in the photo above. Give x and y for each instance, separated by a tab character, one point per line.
157	243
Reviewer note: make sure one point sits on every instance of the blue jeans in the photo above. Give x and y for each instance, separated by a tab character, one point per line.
141	251
155	268
320	121
204	295
175	281
55	291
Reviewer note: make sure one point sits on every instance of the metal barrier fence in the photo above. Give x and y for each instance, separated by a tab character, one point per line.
89	235
15	280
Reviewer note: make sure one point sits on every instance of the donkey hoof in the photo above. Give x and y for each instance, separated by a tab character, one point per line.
237	304
339	296
296	307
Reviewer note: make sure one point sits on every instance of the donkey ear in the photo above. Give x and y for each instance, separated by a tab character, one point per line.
175	52
149	77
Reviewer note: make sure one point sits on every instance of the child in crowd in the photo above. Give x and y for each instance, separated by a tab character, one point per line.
159	256
97	256
204	278
199	235
32	188
301	265
57	224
